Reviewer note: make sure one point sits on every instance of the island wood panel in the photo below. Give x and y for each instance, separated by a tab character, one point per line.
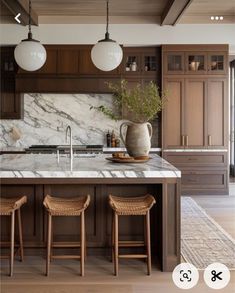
165	215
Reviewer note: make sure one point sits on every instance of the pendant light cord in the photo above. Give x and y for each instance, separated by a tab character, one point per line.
30	33
107	20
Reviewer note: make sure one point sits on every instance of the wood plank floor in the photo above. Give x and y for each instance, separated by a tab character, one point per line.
29	275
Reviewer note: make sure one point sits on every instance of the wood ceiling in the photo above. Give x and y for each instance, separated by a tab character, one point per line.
164	12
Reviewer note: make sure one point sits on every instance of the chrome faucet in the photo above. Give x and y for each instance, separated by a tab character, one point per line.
69	130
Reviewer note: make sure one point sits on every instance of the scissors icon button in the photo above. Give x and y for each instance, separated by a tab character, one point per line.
216	276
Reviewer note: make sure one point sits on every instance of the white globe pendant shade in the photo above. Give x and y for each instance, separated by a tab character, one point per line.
106	55
30	55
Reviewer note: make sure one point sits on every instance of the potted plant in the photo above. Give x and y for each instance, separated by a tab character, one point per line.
138	105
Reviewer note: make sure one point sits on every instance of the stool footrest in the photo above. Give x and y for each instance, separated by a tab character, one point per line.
65	244
132	256
65	256
131	243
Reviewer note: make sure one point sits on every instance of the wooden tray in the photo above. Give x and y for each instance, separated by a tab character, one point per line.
127	160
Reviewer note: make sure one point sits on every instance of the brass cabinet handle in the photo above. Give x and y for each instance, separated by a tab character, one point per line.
186	140
182	140
209	140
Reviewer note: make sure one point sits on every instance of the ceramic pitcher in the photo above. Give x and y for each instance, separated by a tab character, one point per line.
138	138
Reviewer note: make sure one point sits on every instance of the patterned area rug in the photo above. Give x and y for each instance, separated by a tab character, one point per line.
203	241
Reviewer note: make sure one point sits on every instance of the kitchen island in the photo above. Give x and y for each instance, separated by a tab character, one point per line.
36	175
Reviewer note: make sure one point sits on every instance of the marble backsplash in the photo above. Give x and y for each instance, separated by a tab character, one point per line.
46	117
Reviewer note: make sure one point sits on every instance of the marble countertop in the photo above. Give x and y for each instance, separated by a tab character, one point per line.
46	166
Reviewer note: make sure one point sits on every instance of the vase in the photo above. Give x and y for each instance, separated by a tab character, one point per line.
137	139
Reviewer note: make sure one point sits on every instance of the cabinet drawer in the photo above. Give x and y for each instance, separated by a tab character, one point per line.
198	159
204	182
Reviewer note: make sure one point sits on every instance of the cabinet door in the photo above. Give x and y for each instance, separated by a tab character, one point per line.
132	63
50	66
86	65
216	112
172	113
193	120
67	61
174	63
217	63
196	63
11	102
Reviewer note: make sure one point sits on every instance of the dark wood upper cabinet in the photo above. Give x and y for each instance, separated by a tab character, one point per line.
50	66
68	61
10	100
86	65
141	61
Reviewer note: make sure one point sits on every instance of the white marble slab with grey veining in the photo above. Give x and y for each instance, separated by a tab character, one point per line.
46	166
46	117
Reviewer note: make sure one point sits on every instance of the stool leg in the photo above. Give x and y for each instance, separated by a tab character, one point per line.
116	244
48	244
82	240
51	246
85	252
112	237
20	235
148	243
12	242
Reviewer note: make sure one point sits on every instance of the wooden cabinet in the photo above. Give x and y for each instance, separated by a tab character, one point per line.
195	62
217	63
172	113
195	116
68	61
195	113
142	60
10	100
201	172
186	59
50	66
193	121
217	108
173	62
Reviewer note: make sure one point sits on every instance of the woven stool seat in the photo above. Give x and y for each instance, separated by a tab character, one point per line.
131	205
8	205
66	206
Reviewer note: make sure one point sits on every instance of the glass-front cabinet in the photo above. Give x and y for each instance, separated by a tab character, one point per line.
196	63
174	63
217	63
139	61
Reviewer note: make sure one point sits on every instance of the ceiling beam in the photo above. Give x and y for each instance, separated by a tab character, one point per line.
173	11
21	6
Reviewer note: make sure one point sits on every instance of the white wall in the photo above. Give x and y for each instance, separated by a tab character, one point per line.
127	34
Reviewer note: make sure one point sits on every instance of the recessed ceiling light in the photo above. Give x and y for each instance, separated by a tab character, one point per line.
217	18
212	18
221	18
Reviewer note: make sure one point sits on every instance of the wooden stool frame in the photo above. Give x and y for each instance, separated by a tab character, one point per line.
20	249
116	243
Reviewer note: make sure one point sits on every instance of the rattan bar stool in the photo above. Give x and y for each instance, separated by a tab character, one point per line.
8	207
131	206
56	206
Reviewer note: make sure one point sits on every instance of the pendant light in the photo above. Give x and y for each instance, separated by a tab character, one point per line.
106	54
29	54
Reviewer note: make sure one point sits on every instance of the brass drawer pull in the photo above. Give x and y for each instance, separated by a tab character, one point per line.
186	140
209	140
